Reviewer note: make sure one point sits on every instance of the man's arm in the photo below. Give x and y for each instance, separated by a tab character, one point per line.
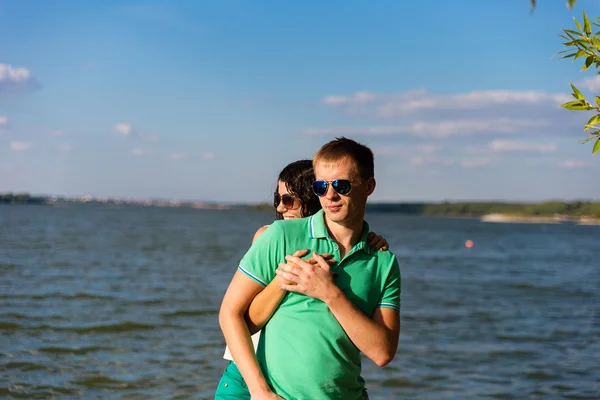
237	299
377	336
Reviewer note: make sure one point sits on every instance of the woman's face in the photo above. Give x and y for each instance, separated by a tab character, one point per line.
295	208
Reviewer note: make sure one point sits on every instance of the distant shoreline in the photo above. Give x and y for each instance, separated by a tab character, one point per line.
526	219
548	212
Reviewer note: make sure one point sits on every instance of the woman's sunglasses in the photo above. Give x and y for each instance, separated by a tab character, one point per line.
286	199
341	186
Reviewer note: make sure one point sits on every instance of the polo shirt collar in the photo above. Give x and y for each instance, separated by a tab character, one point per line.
318	230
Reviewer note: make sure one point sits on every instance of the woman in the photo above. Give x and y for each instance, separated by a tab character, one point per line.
294	198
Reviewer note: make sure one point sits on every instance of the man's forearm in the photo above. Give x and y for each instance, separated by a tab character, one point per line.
240	345
375	340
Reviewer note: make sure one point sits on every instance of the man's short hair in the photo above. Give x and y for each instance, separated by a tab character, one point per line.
359	154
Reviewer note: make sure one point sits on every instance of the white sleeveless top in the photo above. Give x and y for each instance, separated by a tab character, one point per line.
255	339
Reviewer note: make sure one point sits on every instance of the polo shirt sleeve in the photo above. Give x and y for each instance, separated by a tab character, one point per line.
391	289
262	259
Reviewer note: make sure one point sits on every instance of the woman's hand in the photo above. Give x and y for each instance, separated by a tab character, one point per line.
301	253
377	242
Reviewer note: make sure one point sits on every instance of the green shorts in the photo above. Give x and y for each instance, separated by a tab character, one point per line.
232	385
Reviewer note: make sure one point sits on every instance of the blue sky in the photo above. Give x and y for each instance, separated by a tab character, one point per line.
209	100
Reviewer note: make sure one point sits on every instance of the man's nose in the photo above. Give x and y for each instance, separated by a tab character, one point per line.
331	194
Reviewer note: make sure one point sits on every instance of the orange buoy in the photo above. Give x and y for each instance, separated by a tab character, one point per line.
469	244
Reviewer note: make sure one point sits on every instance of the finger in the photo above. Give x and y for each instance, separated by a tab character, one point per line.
374	240
301	253
293	269
326	256
322	263
385	246
288	276
293	288
330	262
300	263
370	236
290	268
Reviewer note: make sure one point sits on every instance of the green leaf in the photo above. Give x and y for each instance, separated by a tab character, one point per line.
596	146
593	121
577	23
579	54
570	35
570	3
596	42
577	93
586	25
568	56
574	105
588	61
574	33
598	100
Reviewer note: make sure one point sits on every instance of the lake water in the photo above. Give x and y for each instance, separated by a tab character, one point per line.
122	303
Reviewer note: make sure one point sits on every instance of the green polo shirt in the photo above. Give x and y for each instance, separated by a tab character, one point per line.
303	351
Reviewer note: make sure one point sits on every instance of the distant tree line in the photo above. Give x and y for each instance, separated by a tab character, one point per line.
21	198
548	208
475	209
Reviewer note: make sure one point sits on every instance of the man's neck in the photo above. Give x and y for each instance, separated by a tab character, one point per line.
346	235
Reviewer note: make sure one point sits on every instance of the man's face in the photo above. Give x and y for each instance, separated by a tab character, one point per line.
340	208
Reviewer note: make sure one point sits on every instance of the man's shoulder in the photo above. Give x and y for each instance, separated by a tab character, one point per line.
285	231
297	225
385	258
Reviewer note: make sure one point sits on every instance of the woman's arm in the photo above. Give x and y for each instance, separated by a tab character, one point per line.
266	302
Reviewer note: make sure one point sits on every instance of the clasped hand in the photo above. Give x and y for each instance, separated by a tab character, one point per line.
311	277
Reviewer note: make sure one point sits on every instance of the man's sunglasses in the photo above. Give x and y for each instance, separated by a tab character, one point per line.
341	186
286	199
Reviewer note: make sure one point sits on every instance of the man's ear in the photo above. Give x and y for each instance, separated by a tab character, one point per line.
371	186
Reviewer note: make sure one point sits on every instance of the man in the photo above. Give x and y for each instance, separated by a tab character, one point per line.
310	348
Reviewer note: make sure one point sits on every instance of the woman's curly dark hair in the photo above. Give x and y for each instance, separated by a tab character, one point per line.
299	177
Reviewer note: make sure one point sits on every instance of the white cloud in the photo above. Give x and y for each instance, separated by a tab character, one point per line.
575	164
439	129
208	156
137	152
3	121
592	84
409	102
421	160
20	146
475	162
15	79
358	98
67	148
406	150
178	156
511	146
123	128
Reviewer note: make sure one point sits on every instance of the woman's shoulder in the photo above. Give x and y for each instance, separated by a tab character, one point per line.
259	232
